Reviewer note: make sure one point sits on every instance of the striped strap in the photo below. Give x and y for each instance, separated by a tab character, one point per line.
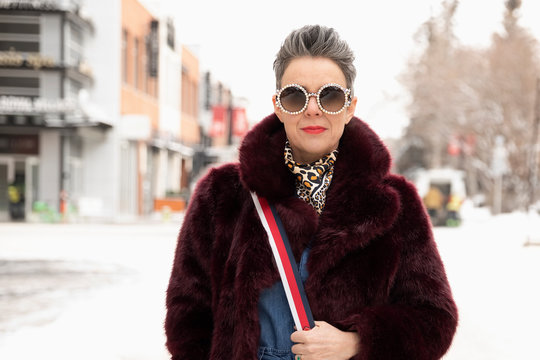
288	271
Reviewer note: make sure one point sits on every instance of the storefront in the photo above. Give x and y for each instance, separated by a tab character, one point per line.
19	171
44	107
41	166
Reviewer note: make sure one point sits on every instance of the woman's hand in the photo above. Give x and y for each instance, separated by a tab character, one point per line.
325	342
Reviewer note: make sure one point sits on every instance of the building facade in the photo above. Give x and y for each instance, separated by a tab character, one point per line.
147	105
190	133
92	122
46	116
223	122
140	107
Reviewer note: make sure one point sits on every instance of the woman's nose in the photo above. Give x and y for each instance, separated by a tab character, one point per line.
312	107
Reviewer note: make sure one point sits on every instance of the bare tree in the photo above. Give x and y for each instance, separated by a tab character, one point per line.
428	77
464	98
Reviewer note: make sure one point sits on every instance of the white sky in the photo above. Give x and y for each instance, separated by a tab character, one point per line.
237	41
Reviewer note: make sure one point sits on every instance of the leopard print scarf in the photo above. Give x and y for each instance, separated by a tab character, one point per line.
312	180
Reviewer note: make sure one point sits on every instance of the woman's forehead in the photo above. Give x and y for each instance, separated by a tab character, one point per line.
312	73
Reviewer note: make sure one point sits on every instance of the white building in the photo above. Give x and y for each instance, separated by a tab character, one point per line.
45	119
90	119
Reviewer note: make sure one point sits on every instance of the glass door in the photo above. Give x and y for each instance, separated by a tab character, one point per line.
31	193
6	177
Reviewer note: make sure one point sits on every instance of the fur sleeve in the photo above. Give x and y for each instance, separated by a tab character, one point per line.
420	319
188	322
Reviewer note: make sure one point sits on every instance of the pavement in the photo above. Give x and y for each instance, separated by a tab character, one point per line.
90	291
96	291
494	279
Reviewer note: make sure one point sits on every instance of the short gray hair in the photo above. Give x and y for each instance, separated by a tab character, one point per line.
315	41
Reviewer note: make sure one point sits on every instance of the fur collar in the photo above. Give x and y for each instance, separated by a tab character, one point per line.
361	154
360	204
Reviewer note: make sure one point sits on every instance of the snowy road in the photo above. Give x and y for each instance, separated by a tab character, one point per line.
84	291
97	291
496	284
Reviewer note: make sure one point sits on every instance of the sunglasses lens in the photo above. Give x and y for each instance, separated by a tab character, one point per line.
332	98
292	99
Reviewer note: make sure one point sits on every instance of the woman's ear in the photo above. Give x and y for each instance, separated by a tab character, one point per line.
351	109
277	110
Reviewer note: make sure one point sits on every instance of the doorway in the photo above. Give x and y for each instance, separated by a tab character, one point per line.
7	175
18	186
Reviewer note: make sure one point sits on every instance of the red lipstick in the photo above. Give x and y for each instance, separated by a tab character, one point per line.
313	129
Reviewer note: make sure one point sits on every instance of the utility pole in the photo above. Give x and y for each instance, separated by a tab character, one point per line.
499	167
533	159
533	163
230	119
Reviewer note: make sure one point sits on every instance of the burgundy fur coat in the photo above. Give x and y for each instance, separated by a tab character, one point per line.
374	267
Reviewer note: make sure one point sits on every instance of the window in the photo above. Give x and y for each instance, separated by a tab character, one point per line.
20	33
195	99
124	55
74	88
14	82
136	63
184	93
144	60
76	42
170	33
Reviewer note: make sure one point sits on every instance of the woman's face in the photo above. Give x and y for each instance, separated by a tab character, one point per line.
313	133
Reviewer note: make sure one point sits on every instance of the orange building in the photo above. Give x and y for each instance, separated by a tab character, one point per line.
190	129
139	89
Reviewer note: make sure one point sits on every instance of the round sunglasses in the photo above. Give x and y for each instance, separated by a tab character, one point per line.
332	99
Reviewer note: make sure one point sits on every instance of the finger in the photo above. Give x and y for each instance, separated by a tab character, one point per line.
299	336
300	349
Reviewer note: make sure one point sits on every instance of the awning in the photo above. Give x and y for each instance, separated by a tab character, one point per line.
184	150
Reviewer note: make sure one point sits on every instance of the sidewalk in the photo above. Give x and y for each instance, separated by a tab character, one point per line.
493	276
119	319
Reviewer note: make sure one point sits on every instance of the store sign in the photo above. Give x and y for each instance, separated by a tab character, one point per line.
28	5
24	105
14	58
19	144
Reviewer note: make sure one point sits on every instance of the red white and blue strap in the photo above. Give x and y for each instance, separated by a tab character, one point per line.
288	271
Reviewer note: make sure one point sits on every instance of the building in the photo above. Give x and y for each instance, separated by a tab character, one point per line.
190	127
46	116
140	107
92	123
141	85
223	123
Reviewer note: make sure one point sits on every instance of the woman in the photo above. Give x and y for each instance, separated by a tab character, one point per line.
360	235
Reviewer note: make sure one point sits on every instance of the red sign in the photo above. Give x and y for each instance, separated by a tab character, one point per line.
454	147
240	123
218	121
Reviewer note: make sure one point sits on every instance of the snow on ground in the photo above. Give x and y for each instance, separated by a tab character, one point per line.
118	321
494	278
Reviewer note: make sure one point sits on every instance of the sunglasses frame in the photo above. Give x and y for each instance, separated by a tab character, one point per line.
308	95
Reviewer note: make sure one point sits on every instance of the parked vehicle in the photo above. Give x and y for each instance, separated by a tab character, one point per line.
443	192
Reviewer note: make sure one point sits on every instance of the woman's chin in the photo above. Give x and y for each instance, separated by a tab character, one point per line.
312	154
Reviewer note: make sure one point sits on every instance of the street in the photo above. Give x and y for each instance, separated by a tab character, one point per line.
84	291
494	278
96	291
